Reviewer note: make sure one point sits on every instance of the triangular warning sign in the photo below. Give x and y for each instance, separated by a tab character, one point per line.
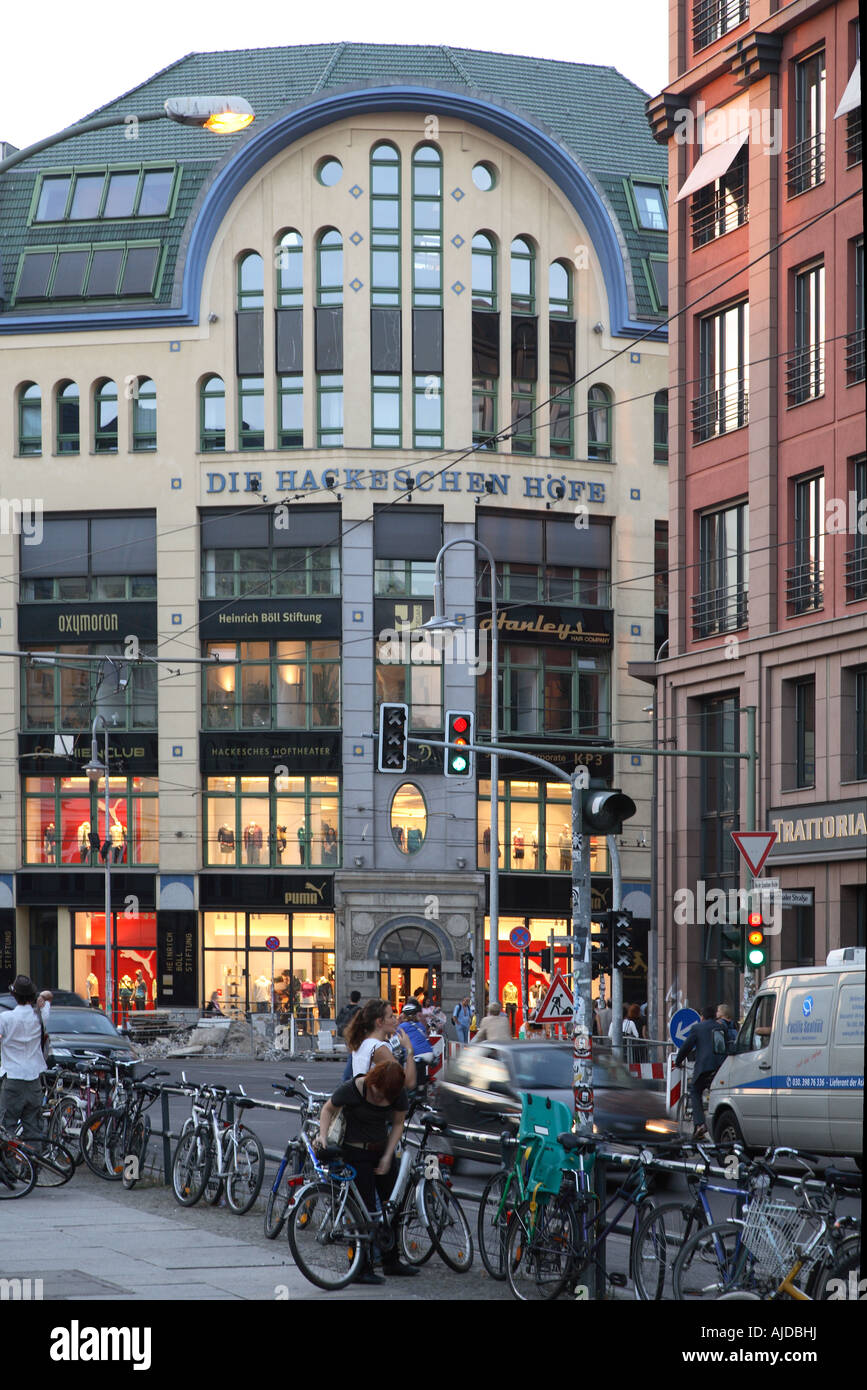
556	1007
754	846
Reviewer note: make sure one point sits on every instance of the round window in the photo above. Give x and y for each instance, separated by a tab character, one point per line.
329	172
484	177
408	818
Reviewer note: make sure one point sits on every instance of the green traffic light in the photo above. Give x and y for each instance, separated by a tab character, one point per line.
459	764
755	956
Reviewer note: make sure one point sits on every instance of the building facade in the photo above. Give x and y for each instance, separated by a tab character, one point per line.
250	387
768	488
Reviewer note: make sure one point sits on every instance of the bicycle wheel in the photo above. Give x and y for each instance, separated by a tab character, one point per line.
541	1250
447	1225
323	1228
100	1144
712	1262
492	1227
53	1161
840	1277
414	1238
246	1173
17	1172
191	1166
661	1235
136	1149
65	1127
282	1192
214	1186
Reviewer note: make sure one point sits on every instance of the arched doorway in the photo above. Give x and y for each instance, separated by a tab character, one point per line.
409	959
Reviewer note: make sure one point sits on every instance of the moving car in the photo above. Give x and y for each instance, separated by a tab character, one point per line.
73	1033
796	1076
481	1090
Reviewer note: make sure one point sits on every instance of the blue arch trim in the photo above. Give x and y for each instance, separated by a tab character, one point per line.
513	128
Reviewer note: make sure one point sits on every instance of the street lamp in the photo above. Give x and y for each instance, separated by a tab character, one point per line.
222	115
95	769
440	623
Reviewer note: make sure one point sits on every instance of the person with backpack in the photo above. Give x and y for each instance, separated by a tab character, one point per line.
23	1039
462	1018
348	1011
707	1041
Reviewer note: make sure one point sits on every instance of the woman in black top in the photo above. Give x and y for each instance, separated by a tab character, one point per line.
375	1106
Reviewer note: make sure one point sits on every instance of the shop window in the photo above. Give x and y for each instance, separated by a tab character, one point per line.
274	685
535	829
239	969
280	822
79	558
134	961
408	819
65	822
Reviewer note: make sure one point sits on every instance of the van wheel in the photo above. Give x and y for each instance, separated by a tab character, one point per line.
726	1129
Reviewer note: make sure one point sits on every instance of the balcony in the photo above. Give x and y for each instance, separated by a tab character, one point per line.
719	610
805	587
805	164
805	374
853	138
855	357
719	210
713	18
720	411
856	572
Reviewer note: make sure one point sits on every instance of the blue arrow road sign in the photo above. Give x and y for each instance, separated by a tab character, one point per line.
681	1024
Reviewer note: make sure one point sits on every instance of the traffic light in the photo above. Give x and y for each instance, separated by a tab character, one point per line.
466	965
605	811
732	945
459	729
757	953
547	958
622	947
393	730
600	955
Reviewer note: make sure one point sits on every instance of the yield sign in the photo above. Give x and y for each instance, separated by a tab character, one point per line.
557	1004
754	846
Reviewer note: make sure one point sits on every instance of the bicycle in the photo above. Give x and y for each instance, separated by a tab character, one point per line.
17	1170
206	1137
53	1161
330	1228
115	1139
294	1168
70	1112
502	1193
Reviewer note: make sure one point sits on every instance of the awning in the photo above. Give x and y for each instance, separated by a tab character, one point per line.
852	95
713	164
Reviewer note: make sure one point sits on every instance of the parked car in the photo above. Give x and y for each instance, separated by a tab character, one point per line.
481	1090
62	998
73	1033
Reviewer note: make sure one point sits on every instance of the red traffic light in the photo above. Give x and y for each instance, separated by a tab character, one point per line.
460	724
755	919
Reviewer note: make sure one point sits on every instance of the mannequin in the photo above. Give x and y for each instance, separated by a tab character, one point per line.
329	841
125	992
510	1000
262	994
324	996
117	836
84	840
564	844
226	839
49	842
413	839
253	842
280	842
303	841
535	844
518	843
93	990
397	832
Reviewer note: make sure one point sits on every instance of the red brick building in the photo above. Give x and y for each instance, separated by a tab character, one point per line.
768	479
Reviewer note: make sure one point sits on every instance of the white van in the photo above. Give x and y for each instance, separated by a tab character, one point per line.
797	1073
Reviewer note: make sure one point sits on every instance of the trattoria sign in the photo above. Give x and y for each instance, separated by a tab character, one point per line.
829	828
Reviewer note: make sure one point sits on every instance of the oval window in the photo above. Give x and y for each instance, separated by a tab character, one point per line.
484	177
408	818
329	172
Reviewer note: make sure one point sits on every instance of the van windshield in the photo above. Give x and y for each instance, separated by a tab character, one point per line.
756	1028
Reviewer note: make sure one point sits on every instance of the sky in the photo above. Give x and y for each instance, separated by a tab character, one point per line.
64	60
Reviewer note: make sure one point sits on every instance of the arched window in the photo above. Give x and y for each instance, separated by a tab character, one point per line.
290	268
212	414
329	267
144	415
484	271
251	281
68	437
660	427
523	264
105	418
559	289
29	418
427	226
599	415
408	818
384	225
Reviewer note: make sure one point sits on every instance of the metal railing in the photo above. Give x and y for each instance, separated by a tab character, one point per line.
713	18
856	572
855	357
720	410
719	610
853	138
719	210
805	374
805	164
805	585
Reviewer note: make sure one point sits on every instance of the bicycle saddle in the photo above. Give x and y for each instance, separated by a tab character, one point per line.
434	1120
243	1102
570	1141
843	1182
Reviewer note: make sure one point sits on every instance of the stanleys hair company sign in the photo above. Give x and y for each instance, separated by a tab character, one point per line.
569	627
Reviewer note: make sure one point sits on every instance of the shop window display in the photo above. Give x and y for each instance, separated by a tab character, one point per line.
535	829
238	967
408	819
65	821
134	964
293	823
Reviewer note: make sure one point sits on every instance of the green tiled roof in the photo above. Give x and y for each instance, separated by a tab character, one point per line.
594	111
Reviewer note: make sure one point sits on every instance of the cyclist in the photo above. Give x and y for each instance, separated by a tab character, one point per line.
707	1040
375	1106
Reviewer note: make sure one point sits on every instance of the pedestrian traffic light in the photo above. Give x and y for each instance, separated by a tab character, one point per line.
600	956
622	946
466	965
547	959
757	954
605	811
459	730
732	945
393	730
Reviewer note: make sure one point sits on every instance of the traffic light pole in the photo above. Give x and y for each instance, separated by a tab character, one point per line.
582	968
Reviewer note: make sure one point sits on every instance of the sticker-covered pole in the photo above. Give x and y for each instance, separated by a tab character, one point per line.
582	1003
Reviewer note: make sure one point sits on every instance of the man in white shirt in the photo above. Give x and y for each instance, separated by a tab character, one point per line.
21	1058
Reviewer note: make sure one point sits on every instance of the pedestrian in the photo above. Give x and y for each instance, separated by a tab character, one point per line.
375	1105
707	1042
348	1011
23	1038
724	1014
603	1018
461	1018
372	1036
213	1004
495	1026
628	1026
